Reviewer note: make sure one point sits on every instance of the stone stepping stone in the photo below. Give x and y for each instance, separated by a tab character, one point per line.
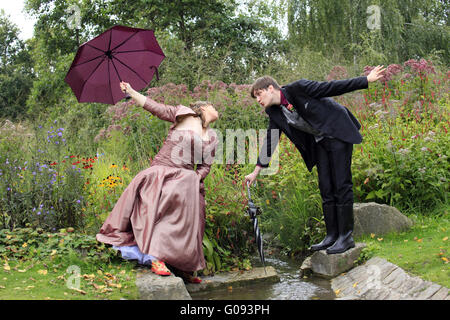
154	287
379	279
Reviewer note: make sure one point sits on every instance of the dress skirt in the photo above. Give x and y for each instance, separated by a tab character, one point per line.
162	211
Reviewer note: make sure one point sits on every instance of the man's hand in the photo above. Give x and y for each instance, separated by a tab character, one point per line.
250	179
376	74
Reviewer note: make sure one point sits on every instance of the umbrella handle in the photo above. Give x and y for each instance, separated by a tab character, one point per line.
248	190
156	72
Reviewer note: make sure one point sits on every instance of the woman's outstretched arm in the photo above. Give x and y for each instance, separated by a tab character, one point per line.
162	111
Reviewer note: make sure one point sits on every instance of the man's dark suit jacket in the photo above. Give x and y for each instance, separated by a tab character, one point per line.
312	102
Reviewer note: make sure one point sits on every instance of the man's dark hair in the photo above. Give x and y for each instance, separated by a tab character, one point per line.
263	83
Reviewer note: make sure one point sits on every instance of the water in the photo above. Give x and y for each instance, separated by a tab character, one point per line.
290	287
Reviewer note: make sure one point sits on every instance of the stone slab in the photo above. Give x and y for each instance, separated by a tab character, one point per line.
155	287
330	265
379	279
235	279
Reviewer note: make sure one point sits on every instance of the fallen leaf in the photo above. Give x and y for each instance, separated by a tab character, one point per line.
21	270
372	235
79	290
445	259
337	291
355	284
43	272
53	252
380	239
6	267
419	240
445	239
25	245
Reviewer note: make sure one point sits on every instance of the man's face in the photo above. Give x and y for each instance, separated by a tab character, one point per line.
265	97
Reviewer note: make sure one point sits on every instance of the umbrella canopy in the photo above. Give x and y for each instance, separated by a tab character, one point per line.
118	54
253	211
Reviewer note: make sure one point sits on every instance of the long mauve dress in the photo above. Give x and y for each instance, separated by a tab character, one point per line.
162	210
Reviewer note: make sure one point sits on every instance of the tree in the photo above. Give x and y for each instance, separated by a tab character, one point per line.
342	25
204	39
15	70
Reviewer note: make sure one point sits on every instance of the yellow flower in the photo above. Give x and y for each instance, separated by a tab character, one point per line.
43	272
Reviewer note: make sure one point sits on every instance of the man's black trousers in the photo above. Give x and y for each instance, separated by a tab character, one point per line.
334	159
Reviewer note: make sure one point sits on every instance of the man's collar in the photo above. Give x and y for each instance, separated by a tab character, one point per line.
283	99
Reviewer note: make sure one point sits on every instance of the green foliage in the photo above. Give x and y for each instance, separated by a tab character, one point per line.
39	185
30	243
15	71
406	29
290	202
403	160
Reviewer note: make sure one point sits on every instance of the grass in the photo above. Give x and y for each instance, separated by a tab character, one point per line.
422	251
51	279
37	265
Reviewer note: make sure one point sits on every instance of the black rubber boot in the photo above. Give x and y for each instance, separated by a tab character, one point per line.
329	215
345	224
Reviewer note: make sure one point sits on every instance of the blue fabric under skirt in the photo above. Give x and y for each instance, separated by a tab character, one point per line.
133	253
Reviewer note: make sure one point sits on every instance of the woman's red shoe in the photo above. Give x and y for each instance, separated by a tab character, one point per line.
159	267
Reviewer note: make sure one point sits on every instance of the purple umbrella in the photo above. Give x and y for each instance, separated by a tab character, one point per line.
118	54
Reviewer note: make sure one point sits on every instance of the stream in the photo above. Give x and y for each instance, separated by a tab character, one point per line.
290	287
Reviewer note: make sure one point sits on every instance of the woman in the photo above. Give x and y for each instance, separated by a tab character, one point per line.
160	217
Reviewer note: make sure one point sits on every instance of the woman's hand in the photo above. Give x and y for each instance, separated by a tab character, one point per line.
125	87
376	74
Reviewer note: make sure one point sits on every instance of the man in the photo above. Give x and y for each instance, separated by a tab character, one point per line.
324	133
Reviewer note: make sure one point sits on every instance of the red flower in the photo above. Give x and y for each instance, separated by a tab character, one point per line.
53	164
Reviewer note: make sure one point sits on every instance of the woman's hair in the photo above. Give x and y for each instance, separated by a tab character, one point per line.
263	83
196	107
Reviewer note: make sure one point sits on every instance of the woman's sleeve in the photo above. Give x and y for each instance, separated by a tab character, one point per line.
162	111
208	158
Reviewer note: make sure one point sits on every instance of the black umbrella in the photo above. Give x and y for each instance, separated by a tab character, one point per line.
253	212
